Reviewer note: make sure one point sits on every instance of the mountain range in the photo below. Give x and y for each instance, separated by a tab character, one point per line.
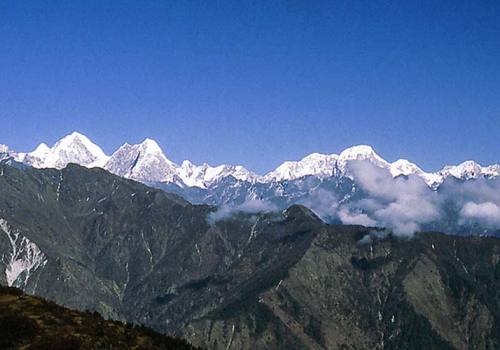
147	162
91	240
357	186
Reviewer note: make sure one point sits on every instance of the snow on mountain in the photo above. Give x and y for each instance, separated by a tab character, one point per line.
146	162
143	162
73	148
192	175
322	165
469	170
4	148
491	171
405	167
316	164
128	162
466	170
361	152
213	174
35	158
4	152
204	175
41	151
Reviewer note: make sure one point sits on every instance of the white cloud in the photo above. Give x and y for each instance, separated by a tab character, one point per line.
486	213
322	202
373	236
402	204
349	217
251	207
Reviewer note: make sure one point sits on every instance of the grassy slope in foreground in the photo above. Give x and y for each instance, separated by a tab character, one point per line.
28	322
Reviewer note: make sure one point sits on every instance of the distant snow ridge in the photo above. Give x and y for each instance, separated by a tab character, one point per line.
317	164
322	165
205	175
146	162
23	259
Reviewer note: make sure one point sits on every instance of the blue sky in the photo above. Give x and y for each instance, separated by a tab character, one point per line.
255	82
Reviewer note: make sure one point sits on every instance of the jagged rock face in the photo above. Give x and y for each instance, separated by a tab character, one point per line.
249	281
144	162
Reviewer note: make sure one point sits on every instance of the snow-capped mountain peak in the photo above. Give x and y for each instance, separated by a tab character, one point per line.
73	148
361	152
465	170
152	147
144	162
41	151
404	167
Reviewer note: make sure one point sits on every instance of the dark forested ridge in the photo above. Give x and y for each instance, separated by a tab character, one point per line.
94	241
29	322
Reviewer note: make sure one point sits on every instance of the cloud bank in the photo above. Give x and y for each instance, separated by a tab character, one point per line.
486	213
404	204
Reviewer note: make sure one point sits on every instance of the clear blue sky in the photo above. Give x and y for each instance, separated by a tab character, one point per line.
255	82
